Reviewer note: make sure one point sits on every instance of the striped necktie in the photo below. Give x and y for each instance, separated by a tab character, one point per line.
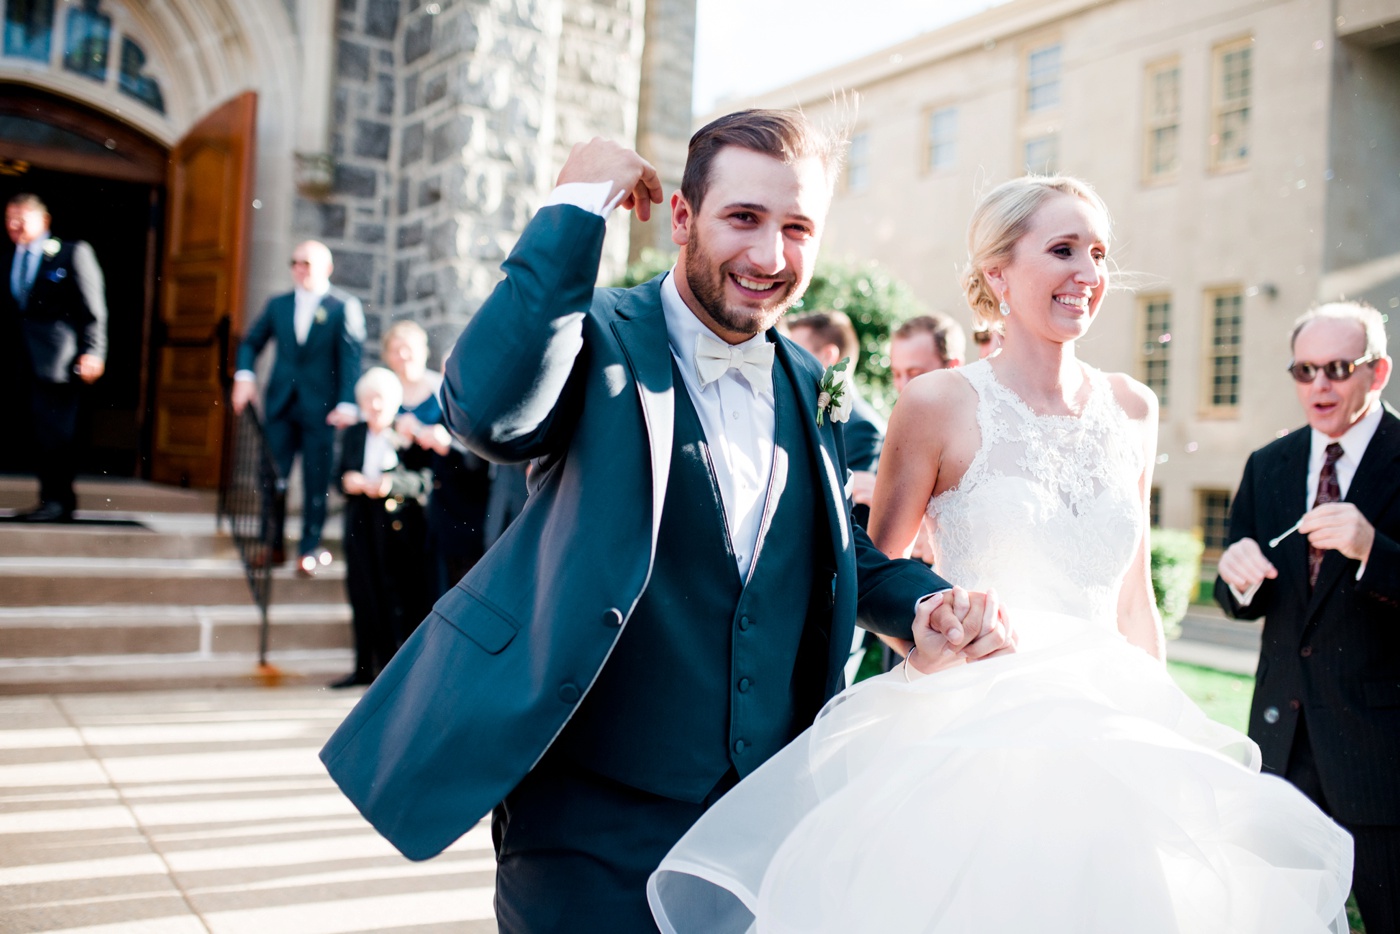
1328	491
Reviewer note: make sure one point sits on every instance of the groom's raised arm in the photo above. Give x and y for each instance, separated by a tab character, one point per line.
505	382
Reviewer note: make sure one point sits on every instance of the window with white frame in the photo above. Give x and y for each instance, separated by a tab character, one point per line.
1156	316
1232	85
1225	326
1042	154
858	163
942	139
1213	519
1162	121
1043	78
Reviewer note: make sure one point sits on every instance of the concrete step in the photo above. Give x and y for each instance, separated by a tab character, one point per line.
89	581
19	493
129	647
149	535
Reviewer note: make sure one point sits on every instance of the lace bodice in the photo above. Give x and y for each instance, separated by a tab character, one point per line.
1049	512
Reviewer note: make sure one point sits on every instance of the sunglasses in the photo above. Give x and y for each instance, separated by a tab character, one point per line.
1335	370
300	262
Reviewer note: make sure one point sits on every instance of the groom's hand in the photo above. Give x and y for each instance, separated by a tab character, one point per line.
601	160
957	626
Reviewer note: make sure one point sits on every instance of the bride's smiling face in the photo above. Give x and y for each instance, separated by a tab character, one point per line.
1057	275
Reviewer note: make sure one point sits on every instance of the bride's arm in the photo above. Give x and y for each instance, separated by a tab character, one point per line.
909	461
1138	618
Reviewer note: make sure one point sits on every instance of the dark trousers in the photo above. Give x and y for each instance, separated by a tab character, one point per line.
386	577
53	410
286	436
574	850
1376	877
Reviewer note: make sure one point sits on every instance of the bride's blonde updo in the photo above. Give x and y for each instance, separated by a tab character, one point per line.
1000	219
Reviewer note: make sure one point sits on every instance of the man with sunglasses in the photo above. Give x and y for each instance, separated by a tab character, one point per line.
1326	710
311	391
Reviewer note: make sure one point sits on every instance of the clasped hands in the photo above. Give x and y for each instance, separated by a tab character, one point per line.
1332	526
957	626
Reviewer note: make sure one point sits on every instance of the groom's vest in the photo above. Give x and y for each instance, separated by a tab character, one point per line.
712	672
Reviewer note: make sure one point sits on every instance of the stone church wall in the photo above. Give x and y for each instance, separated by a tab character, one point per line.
451	120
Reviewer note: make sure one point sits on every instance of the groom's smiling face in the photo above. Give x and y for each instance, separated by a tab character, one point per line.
747	250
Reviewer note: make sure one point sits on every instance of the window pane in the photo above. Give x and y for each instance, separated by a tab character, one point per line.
89	37
1235	74
1166	93
1234	135
1164	150
858	165
942	138
1225	349
1156	344
1042	154
132	81
1214	508
1043	78
29	29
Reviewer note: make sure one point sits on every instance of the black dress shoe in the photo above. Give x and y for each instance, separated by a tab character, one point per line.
353	679
47	512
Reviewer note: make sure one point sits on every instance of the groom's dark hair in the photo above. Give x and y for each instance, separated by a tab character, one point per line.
786	135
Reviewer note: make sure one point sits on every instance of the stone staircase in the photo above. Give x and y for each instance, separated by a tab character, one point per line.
145	592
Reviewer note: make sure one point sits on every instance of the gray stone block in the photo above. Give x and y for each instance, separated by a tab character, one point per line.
450	136
434	89
411	144
352	60
325	221
372	139
429	191
410	94
354	270
418	38
382	18
384	98
442	241
425	286
353	180
401	273
403	197
369	234
410	234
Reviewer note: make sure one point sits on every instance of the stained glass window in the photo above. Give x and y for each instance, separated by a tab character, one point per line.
29	29
132	80
89	37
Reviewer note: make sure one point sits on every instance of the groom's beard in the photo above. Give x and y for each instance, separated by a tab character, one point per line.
707	282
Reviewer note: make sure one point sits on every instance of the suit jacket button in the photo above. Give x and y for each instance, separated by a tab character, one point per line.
744	685
1271	715
612	617
1295	704
740	746
1306	651
744	624
568	693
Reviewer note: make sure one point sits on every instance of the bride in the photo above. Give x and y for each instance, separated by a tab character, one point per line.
1070	786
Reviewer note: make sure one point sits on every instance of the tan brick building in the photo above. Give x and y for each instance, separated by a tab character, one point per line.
1249	151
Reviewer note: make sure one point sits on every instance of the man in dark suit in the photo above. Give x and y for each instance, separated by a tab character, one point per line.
311	392
1326	710
675	601
54	326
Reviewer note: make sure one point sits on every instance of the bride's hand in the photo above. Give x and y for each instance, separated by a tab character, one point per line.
957	626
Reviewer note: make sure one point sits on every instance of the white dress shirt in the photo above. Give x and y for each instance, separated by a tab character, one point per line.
306	304
1354	444
380	455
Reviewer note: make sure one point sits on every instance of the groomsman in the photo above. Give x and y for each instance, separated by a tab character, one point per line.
53	323
319	332
1326	710
676	599
924	344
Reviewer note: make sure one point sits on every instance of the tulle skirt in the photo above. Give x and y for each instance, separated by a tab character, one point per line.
1071	787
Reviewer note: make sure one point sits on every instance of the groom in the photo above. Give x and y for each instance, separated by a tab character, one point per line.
676	600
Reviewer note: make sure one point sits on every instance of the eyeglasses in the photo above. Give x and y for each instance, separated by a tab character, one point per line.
1334	370
300	262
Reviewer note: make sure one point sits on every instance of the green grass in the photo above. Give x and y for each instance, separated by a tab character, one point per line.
1223	696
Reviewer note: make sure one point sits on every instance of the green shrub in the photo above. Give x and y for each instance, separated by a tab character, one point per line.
1176	570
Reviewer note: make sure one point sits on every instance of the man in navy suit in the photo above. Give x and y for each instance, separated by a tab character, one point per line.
676	600
311	392
1326	710
53	322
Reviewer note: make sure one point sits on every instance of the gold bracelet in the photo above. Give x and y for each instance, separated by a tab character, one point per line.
906	664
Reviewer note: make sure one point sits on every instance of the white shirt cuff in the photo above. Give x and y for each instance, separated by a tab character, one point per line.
593	197
349	408
927	595
244	376
1244	599
1361	570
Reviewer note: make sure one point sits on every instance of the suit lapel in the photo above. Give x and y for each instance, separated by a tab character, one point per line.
640	328
1375	482
1289	478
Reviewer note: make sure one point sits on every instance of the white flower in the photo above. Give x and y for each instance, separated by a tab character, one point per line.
51	247
845	400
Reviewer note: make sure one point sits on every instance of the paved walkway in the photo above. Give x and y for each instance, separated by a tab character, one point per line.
206	811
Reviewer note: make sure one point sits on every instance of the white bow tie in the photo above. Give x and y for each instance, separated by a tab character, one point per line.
753	360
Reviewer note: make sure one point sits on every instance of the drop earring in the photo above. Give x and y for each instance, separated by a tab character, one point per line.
1005	309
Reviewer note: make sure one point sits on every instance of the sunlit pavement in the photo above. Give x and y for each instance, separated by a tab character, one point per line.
206	811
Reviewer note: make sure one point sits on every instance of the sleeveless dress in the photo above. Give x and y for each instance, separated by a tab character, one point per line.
1069	787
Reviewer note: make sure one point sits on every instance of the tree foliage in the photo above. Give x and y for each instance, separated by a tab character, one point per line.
874	300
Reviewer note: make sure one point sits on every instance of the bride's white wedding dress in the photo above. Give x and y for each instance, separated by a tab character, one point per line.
1070	787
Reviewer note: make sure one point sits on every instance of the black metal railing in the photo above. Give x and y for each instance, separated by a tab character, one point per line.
253	499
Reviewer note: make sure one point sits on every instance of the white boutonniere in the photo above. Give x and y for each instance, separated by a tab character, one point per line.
52	246
320	315
834	395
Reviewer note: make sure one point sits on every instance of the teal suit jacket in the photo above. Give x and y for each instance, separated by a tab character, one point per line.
578	380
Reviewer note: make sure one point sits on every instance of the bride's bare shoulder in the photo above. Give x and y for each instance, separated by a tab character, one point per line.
1137	401
938	393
